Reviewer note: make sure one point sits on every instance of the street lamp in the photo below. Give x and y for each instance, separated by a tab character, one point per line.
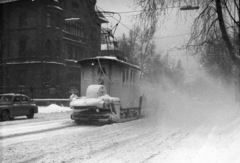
189	7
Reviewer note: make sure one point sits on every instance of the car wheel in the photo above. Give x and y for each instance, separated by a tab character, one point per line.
78	122
5	115
11	118
30	114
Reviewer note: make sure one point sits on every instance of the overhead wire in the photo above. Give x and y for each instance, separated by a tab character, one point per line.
126	12
143	10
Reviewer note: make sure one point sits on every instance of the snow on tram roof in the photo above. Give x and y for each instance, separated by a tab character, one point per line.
107	57
110	58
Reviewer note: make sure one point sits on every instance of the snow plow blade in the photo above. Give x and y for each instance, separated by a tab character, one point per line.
91	118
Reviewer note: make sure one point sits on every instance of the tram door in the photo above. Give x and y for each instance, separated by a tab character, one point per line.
86	79
101	76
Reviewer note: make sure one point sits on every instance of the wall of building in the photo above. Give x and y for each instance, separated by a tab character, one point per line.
40	52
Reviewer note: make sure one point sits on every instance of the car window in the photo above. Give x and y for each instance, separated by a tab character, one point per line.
5	98
24	99
16	99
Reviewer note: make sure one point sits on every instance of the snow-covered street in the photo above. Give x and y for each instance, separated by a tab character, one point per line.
189	132
119	81
143	140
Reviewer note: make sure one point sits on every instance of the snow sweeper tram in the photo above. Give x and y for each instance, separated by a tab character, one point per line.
111	89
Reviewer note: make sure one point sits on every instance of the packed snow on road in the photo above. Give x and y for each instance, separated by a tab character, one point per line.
182	128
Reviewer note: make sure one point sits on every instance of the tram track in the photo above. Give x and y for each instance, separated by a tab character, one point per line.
16	135
17	130
33	128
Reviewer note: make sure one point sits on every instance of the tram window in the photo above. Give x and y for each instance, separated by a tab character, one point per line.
131	73
123	76
127	76
132	77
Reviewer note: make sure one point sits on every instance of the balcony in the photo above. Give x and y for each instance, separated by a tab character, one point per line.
74	38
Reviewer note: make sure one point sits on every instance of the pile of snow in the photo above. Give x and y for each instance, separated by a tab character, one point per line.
53	108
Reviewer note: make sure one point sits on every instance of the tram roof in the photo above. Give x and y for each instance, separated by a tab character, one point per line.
108	58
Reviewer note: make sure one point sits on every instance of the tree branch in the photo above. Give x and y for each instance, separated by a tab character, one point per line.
225	36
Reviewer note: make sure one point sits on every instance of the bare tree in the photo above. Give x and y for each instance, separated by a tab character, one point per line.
215	14
138	46
216	60
146	46
129	44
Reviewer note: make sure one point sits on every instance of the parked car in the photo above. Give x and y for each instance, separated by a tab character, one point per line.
13	105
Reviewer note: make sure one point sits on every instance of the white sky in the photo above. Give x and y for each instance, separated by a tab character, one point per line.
172	33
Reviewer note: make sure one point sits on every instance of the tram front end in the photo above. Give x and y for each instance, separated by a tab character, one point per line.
96	106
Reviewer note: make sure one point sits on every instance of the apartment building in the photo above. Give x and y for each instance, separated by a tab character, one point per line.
41	40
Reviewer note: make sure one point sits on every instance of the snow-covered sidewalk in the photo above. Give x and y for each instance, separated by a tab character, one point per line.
53	108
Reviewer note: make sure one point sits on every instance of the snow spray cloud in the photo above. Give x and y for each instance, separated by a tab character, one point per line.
202	101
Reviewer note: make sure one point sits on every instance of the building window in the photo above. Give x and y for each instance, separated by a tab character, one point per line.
48	47
47	78
22	46
22	20
48	23
58	51
74	28
1	77
58	18
69	52
65	27
75	5
21	78
73	77
81	31
57	77
91	39
77	29
79	53
74	52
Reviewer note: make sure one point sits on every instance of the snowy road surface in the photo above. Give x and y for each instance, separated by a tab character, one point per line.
182	134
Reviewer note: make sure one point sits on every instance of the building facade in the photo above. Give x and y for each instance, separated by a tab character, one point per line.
41	40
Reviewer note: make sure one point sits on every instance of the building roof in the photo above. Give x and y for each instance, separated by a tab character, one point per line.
107	58
100	15
7	1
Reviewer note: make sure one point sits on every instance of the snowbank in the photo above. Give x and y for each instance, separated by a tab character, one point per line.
53	108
